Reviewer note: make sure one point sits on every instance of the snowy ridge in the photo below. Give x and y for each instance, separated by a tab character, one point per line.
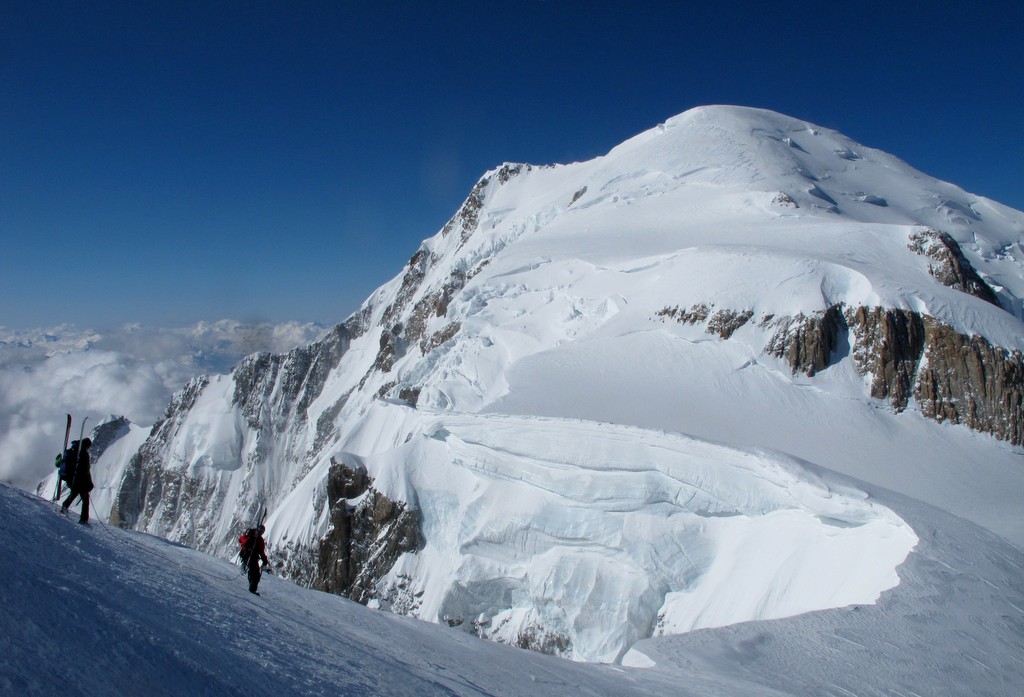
654	288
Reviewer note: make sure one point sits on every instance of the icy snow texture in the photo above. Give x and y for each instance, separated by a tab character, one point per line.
599	534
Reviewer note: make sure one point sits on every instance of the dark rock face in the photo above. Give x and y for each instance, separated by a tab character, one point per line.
807	343
888	345
273	394
953	377
278	387
433	304
537	639
405	320
415	271
949	266
106	434
966	380
725	322
468	215
695	315
365	539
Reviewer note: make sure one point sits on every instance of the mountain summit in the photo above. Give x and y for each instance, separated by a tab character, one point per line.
630	397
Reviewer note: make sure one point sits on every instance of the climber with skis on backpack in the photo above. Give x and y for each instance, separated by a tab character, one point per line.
253	550
76	470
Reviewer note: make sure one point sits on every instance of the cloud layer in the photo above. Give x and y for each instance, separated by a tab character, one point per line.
131	372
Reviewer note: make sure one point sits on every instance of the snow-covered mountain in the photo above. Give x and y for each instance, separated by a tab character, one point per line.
624	398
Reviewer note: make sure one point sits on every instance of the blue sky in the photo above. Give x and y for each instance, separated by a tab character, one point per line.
169	162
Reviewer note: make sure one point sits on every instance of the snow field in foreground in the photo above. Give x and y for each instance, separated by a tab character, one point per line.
99	610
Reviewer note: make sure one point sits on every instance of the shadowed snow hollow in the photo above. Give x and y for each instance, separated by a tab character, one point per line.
581	538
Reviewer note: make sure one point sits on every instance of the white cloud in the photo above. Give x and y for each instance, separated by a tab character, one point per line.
132	372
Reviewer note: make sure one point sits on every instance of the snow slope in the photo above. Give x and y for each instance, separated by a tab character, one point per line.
954	626
589	471
100	610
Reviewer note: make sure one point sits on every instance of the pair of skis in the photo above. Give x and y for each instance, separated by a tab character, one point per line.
67	436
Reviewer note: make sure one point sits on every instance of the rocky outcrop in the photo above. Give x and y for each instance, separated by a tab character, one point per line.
415	271
909	356
275	387
108	433
467	217
434	304
405	320
694	315
806	342
966	380
887	345
366	537
784	199
725	322
949	266
161	490
145	481
721	322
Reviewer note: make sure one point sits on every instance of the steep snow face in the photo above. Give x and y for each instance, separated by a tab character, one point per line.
581	538
702	278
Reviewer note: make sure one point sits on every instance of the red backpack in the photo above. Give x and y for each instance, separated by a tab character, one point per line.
248	541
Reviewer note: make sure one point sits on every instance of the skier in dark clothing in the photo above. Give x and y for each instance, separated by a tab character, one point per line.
253	550
82	484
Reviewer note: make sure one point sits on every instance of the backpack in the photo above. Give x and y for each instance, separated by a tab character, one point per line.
68	463
248	542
